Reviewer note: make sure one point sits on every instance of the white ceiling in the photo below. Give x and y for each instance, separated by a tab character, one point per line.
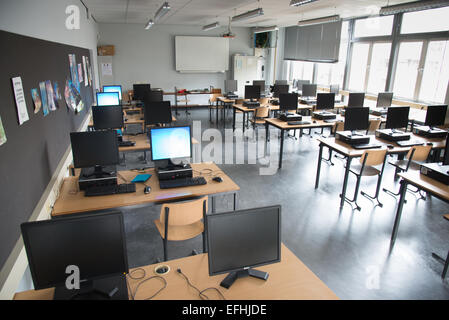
203	12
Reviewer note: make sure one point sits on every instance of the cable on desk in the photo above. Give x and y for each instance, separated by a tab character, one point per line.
133	294
200	293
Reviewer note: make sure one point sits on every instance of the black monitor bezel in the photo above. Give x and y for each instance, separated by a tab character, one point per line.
276	88
441	123
356	109
291	94
260	83
102	108
391	110
389	95
311	85
318	100
152	105
356	96
118	96
248	89
170	127
140	85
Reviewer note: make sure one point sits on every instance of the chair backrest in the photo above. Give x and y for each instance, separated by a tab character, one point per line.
374	125
263	101
215	90
339	126
374	157
184	213
213	97
262	112
420	154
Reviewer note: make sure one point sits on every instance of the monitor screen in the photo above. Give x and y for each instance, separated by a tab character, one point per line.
288	101
260	83
280	82
280	88
384	99
356	118
252	92
230	85
94	148
108	99
435	115
94	243
245	238
325	101
356	99
107	117
139	91
397	117
300	83
170	143
156	112
113	89
308	90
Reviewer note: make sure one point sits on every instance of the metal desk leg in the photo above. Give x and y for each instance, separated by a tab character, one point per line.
281	151
213	204
402	192
345	182
233	119
243	122
318	168
235	201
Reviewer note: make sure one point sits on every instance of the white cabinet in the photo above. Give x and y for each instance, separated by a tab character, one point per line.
246	69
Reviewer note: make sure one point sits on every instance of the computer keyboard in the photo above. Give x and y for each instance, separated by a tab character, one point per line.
112	189
366	146
409	143
126	143
295	123
183	182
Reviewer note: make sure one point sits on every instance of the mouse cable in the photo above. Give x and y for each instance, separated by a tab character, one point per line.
133	294
200	293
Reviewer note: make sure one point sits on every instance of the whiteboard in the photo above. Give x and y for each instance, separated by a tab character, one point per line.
201	54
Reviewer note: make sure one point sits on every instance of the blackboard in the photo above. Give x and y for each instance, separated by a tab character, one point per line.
34	149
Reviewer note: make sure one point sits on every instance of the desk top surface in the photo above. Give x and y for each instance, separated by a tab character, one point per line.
289	279
426	183
284	125
71	200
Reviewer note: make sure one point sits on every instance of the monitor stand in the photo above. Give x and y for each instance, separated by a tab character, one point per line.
97	173
231	277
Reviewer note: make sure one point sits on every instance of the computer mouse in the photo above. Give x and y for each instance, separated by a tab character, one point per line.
390	146
217	179
314	121
147	190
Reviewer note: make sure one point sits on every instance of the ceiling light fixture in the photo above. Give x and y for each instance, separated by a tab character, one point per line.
296	3
265	29
162	11
413	6
248	15
211	26
149	24
319	20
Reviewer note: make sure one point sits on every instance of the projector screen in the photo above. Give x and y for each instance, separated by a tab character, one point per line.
201	54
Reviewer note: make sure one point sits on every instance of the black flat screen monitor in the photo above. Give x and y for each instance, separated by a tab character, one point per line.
115	88
384	99
300	83
325	101
435	115
288	101
171	143
107	117
280	82
241	240
154	95
252	92
94	148
156	112
94	243
356	118
356	99
230	86
280	88
260	83
139	91
397	117
446	152
309	90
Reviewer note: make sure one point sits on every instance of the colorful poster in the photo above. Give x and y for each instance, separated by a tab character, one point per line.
89	71
2	133
68	95
36	99
74	70
80	73
44	98
22	111
76	99
56	91
86	80
50	96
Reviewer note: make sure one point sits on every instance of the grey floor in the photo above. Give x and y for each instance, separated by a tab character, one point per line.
348	250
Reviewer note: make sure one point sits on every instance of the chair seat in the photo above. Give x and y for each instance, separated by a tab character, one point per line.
446	216
367	171
257	121
213	106
179	233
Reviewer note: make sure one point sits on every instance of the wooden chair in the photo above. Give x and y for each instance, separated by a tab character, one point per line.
369	159
213	104
260	114
263	101
215	90
182	221
373	126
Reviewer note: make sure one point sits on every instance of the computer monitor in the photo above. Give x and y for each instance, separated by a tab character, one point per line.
154	95
446	152
288	101
139	91
108	99
241	240
309	90
260	83
114	89
279	89
252	92
107	117
356	118
325	101
397	117
95	149
356	99
300	83
171	143
94	243
280	82
230	86
157	112
435	115
384	99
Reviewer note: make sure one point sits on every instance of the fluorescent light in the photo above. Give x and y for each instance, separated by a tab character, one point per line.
162	11
319	20
248	15
413	6
149	24
265	29
296	3
211	26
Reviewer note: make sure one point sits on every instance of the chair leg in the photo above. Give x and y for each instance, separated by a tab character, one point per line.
376	196
165	249
356	192
393	194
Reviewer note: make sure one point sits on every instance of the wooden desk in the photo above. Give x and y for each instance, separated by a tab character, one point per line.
289	279
350	153
72	201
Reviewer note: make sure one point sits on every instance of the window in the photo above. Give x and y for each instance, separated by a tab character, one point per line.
324	73
302	70
370	27
425	21
378	68
358	66
436	72
407	69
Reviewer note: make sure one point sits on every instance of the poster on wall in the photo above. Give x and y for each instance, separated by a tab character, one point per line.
80	73
74	70
22	111
86	77
106	69
50	96
89	71
44	98
2	133
36	99
56	91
